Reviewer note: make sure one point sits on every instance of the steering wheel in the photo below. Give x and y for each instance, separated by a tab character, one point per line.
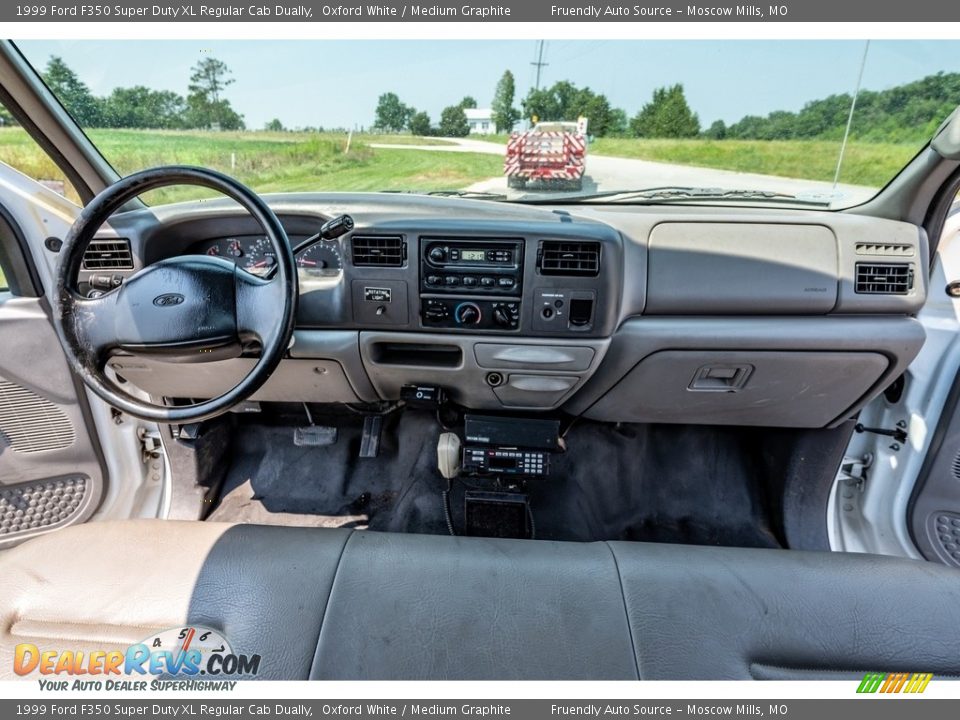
193	308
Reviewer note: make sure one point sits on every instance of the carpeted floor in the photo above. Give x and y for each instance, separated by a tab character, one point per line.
700	485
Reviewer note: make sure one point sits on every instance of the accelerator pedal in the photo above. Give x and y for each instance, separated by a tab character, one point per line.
370	441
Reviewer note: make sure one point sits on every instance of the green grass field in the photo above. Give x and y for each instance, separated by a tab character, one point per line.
282	161
865	163
870	164
269	162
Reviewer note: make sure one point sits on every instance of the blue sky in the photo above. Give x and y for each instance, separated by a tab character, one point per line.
337	83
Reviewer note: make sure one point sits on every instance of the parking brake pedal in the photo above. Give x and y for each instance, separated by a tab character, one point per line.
370	441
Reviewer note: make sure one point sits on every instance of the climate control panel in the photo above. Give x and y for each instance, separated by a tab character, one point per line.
470	314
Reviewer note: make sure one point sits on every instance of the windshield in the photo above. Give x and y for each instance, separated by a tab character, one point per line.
811	123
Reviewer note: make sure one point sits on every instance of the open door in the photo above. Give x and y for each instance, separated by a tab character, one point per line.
51	469
933	511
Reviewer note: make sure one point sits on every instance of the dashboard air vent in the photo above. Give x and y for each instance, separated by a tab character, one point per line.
108	255
378	250
884	278
580	259
898	249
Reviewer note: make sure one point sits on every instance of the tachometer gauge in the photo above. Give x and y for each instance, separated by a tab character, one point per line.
259	257
320	260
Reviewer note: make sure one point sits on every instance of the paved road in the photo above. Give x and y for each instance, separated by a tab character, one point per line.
616	173
453	145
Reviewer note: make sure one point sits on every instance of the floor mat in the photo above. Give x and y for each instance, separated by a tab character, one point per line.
680	484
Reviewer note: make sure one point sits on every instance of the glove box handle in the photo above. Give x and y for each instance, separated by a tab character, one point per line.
720	378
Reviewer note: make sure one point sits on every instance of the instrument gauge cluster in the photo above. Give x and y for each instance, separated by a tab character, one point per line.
319	264
254	253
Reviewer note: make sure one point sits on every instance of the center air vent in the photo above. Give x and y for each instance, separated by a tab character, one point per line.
108	255
884	278
378	250
581	259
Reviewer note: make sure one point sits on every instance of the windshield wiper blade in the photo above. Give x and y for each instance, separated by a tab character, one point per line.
680	193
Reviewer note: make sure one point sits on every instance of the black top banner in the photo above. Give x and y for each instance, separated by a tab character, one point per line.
505	11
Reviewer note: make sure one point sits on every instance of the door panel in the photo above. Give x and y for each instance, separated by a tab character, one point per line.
51	472
934	511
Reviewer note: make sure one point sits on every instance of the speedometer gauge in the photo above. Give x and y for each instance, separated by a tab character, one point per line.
259	258
321	260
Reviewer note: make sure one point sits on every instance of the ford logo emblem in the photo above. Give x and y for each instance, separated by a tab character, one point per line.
168	299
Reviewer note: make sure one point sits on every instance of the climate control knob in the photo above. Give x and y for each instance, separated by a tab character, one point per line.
467	314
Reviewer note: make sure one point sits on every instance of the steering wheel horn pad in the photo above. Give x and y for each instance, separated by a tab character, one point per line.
174	307
192	308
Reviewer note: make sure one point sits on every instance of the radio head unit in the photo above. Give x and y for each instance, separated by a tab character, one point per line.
465	266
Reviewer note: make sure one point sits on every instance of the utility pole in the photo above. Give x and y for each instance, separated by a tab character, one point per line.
539	64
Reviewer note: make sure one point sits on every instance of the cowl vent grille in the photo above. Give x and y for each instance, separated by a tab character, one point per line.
896	249
108	255
884	278
378	250
580	259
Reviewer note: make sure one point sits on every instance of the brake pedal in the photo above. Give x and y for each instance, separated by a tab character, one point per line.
314	436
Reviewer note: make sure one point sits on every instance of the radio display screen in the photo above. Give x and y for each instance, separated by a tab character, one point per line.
499	463
473	254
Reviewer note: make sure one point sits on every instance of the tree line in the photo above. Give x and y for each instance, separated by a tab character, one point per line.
667	114
905	113
392	115
204	105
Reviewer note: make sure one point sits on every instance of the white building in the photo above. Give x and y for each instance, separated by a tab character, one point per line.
480	121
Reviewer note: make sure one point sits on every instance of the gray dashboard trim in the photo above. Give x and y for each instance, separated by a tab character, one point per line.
636	224
854	323
525	386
